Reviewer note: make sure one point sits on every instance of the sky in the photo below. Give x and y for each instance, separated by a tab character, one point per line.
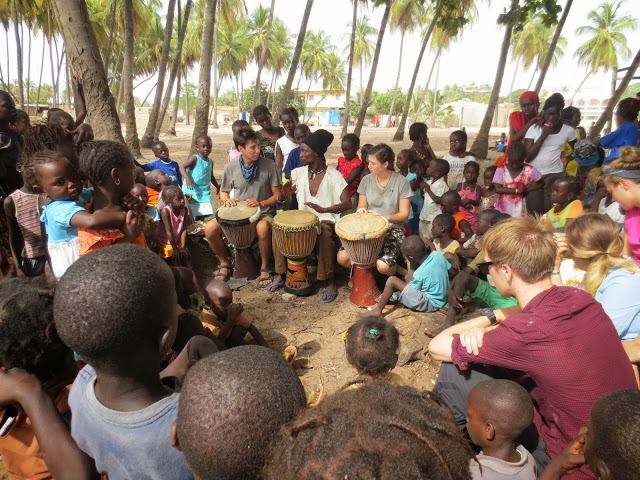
473	58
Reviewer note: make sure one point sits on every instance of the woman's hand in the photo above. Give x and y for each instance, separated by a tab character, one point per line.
562	247
361	210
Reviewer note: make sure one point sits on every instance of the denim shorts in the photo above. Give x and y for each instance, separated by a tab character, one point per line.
416	300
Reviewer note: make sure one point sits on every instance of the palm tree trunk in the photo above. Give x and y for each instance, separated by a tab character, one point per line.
84	55
614	81
216	91
347	102
613	101
204	80
513	80
374	66
29	64
263	59
435	91
16	24
392	108
67	75
552	46
579	87
40	79
273	79
533	75
176	107
238	93
6	38
57	85
127	81
216	88
426	86
175	66
399	135
187	106
148	137
112	36
481	143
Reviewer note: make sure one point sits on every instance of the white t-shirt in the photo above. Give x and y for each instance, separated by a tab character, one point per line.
548	158
328	195
456	168
286	145
431	209
613	211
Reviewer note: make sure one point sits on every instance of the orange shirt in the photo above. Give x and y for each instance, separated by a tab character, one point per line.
91	240
20	449
152	197
456	233
553	220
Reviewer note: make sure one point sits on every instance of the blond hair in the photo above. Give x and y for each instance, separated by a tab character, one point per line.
596	238
524	245
629	159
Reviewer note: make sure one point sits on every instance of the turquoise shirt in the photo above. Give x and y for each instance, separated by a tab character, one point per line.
201	176
432	278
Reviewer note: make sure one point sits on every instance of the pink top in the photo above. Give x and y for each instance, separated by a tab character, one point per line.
514	205
28	218
177	224
632	232
471	213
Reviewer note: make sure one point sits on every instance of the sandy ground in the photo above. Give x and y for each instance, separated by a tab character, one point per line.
314	327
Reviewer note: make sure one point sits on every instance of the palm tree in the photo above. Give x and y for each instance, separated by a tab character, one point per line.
82	51
234	51
347	102
548	58
404	16
127	77
607	43
204	83
374	65
262	47
148	137
363	46
314	58
296	58
279	54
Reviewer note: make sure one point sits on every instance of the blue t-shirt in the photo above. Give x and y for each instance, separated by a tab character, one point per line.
293	161
171	168
625	136
432	278
417	201
618	295
56	217
126	445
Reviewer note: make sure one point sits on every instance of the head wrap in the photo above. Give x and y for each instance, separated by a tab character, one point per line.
319	141
531	95
586	153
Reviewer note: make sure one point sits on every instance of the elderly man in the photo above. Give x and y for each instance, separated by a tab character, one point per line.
562	347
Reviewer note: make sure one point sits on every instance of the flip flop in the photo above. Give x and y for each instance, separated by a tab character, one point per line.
268	278
274	286
329	296
290	354
225	276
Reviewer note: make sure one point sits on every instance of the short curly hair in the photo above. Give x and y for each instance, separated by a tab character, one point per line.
372	345
378	430
28	337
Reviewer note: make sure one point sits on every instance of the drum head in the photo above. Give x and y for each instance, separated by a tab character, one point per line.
295	219
238	215
361	226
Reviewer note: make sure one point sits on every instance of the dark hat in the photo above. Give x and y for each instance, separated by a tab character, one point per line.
319	141
586	153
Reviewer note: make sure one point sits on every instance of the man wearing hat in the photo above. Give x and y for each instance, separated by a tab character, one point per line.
322	191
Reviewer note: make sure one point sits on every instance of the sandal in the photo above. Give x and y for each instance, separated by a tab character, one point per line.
290	354
275	285
329	296
218	275
263	282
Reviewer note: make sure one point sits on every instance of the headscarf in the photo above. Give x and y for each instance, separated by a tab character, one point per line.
530	95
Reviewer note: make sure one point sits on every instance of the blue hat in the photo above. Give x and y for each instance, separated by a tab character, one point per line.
586	153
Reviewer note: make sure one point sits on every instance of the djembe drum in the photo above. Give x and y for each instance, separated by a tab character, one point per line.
295	233
239	226
362	236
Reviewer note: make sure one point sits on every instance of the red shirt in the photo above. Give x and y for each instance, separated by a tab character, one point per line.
569	354
345	167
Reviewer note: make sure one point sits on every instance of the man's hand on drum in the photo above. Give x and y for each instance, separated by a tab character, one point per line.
252	202
316	207
230	202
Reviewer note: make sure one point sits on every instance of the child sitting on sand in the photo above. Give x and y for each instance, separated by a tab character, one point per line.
462	230
566	204
222	312
441	240
372	346
488	193
498	412
171	234
155	181
423	291
470	193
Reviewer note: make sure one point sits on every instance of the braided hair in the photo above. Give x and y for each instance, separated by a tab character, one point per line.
380	431
99	157
372	345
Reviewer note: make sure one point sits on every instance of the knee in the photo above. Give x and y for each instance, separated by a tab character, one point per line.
343	259
263	229
384	268
212	229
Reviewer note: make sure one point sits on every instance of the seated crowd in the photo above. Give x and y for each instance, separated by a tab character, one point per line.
116	362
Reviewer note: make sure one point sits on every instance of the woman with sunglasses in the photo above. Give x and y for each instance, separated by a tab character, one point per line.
594	243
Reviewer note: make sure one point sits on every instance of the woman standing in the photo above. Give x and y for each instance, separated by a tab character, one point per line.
384	192
519	122
544	143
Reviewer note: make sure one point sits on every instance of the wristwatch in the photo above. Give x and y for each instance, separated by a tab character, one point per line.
490	314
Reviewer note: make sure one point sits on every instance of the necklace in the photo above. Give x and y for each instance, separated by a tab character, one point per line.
381	185
314	173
